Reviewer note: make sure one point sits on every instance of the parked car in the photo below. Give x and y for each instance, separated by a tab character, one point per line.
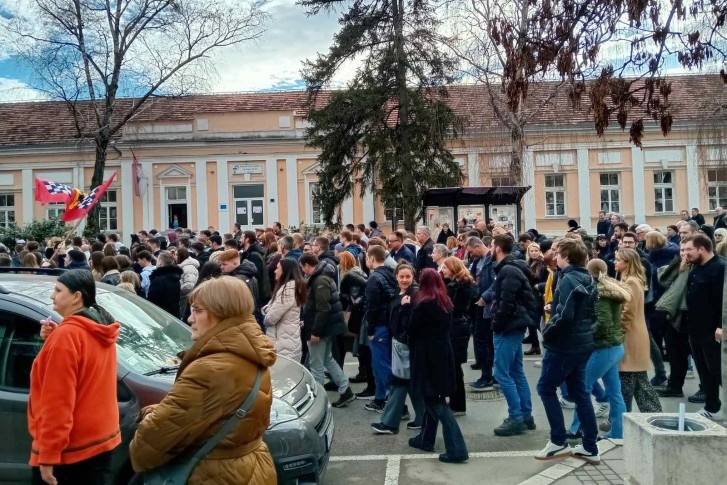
301	424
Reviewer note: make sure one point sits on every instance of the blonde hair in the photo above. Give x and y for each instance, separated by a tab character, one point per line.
451	242
497	231
127	286
131	278
722	249
224	297
633	265
655	240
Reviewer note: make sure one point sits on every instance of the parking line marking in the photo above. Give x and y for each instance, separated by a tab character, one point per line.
393	468
429	456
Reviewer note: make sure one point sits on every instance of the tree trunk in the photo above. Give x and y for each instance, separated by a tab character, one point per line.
517	152
93	226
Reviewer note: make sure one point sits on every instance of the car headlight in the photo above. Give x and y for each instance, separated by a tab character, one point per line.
281	412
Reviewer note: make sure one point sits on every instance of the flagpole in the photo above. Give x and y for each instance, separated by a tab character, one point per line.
68	234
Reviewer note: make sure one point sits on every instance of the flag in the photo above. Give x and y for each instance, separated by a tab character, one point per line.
79	209
137	172
47	192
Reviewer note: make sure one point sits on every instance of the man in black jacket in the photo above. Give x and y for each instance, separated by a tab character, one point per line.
165	284
513	306
604	224
322	321
230	264
482	268
697	217
568	340
381	288
252	251
424	255
704	317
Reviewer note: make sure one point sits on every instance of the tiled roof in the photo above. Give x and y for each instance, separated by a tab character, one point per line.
40	123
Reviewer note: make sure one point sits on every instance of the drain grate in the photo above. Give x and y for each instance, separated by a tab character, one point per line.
491	395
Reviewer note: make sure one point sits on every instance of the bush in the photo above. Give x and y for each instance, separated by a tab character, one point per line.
39	231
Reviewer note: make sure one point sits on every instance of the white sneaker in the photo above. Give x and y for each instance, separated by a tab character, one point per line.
552	452
718	416
601	409
580	452
690	374
564	403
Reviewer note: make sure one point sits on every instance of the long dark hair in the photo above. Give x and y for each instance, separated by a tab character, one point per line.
81	280
291	272
431	287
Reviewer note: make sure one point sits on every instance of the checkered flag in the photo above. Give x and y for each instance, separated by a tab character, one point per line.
49	192
85	205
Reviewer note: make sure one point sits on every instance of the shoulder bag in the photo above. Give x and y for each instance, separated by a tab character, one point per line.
177	471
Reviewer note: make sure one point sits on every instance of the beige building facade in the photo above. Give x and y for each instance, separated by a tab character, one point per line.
220	159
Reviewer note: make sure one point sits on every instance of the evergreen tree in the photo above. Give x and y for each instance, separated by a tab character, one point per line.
390	127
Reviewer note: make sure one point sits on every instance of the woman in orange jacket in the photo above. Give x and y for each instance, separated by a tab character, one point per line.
73	415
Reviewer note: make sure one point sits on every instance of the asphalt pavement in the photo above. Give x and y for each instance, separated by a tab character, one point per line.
359	456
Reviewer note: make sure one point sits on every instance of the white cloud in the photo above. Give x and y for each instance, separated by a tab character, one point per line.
12	90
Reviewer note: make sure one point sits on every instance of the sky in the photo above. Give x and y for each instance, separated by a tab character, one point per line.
271	63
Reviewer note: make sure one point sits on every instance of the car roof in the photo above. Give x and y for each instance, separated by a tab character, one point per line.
17	285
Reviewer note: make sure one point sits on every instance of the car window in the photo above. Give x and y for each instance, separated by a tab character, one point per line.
20	342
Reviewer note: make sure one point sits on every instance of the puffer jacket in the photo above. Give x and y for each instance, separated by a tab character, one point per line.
660	258
612	294
190	274
570	328
112	277
282	322
353	297
215	377
323	312
514	299
462	294
381	288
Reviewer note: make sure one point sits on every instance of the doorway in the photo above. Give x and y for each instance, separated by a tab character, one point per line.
180	211
249	205
176	202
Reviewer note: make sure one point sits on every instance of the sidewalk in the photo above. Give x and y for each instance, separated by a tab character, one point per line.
574	471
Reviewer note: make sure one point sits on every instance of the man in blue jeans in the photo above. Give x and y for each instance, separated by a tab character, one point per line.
568	340
515	308
381	287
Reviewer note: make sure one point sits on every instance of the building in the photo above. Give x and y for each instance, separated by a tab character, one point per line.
218	159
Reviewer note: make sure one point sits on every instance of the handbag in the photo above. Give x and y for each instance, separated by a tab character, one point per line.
400	362
177	471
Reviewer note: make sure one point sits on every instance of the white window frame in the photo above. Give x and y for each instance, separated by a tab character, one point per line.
611	189
660	189
558	191
316	217
55	211
105	214
395	211
7	211
716	187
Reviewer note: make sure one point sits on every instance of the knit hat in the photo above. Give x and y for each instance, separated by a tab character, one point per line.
546	245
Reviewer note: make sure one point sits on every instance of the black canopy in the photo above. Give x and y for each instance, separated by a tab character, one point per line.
454	196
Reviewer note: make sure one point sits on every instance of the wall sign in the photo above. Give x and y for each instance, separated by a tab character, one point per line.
247	168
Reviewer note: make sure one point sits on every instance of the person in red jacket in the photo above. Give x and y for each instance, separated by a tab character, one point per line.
73	415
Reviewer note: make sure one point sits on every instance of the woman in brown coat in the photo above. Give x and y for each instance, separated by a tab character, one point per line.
637	360
215	377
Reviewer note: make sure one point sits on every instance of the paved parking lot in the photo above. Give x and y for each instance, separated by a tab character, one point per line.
359	456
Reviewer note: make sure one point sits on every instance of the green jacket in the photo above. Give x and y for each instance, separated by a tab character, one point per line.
612	295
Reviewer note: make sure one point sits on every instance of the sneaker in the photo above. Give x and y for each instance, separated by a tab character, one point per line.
416	442
529	422
405	414
376	406
601	409
366	395
510	427
346	397
592	458
534	351
495	384
445	458
698	397
413	425
330	386
480	385
658	381
718	416
538	363
476	366
573	436
459	413
381	428
690	374
552	452
566	404
669	392
605	426
358	379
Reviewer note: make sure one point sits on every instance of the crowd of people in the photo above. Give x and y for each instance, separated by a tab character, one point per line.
600	310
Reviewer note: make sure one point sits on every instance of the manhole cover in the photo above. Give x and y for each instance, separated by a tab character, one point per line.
490	395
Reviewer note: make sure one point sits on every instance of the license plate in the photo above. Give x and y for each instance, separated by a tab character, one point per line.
329	437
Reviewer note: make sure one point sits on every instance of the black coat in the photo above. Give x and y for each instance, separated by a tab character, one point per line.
462	294
444	235
400	315
704	298
720	222
424	257
381	287
353	298
432	358
515	304
323	312
699	219
165	287
256	255
603	227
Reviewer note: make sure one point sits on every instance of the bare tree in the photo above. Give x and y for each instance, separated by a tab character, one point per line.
91	54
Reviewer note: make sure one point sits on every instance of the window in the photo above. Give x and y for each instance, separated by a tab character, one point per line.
663	192
717	188
610	193
503	182
7	210
316	217
109	216
554	195
176	193
20	343
55	211
397	212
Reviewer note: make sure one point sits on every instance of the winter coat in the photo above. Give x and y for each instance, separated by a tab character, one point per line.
515	303
483	271
699	219
424	257
145	277
603	227
190	274
432	358
570	328
659	258
612	294
272	264
79	265
294	254
444	235
705	297
112	277
282	322
381	287
462	294
164	288
215	377
256	255
637	356
323	312
403	253
720	222
353	297
247	272
400	315
330	257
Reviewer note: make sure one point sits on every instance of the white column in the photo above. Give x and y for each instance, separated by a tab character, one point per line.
347	211
369	213
200	177
584	190
637	170
473	169
28	195
223	196
692	177
529	179
148	199
127	198
271	172
291	173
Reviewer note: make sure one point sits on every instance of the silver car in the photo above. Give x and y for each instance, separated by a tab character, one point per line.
301	423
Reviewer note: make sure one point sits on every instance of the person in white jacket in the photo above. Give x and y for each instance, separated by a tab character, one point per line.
282	314
188	280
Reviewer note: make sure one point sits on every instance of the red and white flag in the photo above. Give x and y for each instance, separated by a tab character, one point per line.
47	192
82	207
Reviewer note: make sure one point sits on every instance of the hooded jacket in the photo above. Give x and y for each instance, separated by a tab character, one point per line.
323	312
164	288
112	277
330	257
247	272
660	258
381	288
215	377
570	328
515	306
190	275
73	414
424	257
282	322
256	255
353	297
612	294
